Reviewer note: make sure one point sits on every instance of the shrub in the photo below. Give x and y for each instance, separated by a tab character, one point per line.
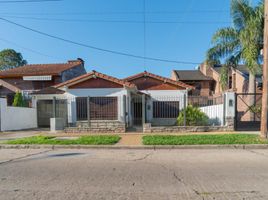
18	100
194	117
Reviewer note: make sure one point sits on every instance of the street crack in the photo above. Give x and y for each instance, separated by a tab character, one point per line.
26	156
143	158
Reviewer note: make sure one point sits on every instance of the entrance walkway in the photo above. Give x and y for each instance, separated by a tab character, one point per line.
130	140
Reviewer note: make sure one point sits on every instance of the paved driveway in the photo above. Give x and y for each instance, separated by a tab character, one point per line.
133	174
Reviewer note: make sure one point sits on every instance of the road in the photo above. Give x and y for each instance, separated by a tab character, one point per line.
133	174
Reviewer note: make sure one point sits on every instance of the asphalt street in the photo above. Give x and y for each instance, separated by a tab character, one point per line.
133	174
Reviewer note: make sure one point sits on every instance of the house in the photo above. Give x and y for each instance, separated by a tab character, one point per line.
204	85
98	102
238	79
206	79
29	78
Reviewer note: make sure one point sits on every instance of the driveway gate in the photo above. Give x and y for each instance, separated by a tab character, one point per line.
45	111
248	111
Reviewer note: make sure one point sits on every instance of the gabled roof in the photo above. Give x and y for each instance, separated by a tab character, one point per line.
191	75
40	69
49	90
9	86
95	74
161	78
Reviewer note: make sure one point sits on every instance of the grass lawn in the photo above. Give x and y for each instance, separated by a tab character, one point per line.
83	140
202	139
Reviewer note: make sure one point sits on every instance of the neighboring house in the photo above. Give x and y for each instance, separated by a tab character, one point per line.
118	103
34	77
204	85
238	78
206	79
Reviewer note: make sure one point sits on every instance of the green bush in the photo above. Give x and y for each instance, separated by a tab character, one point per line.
18	100
194	117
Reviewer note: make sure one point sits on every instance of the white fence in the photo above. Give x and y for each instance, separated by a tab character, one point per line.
214	113
16	118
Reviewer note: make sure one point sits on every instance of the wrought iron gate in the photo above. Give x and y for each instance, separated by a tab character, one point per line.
137	110
248	111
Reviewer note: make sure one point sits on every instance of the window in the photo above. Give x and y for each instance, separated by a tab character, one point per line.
166	109
101	108
230	82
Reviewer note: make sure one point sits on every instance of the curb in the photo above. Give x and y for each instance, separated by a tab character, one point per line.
149	147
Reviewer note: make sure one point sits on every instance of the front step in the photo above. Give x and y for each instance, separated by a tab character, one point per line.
135	129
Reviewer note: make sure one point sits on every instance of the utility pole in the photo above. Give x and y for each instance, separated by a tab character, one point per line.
264	114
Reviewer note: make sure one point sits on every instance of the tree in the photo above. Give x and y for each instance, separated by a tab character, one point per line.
10	59
18	100
241	43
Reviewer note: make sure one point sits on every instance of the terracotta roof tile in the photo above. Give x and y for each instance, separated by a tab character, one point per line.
168	80
39	69
49	90
97	74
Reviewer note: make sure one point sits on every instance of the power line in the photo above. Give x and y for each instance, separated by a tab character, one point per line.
26	48
97	48
28	1
120	12
118	21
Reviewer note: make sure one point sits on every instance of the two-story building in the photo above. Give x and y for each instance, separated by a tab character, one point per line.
34	77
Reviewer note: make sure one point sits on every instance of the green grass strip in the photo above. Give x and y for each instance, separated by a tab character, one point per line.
83	140
203	139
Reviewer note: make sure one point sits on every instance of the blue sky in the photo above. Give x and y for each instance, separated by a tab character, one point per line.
187	41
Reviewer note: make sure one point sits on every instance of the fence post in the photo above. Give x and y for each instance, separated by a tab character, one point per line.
88	110
143	110
184	109
54	107
224	109
124	108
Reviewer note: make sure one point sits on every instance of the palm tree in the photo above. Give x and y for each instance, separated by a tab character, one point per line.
241	43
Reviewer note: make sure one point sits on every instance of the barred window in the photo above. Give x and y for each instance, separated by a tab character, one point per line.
104	108
166	109
101	108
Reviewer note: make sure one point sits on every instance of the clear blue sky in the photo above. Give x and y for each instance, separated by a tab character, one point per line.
173	41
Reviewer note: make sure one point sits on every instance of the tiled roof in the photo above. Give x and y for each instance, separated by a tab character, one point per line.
39	69
49	90
161	78
191	75
9	86
96	74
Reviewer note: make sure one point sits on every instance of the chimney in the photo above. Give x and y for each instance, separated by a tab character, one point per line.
203	68
81	60
78	60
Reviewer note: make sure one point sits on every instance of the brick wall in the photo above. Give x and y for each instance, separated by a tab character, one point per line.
98	126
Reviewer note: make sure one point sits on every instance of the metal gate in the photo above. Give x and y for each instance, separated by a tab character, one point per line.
136	105
45	111
248	111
